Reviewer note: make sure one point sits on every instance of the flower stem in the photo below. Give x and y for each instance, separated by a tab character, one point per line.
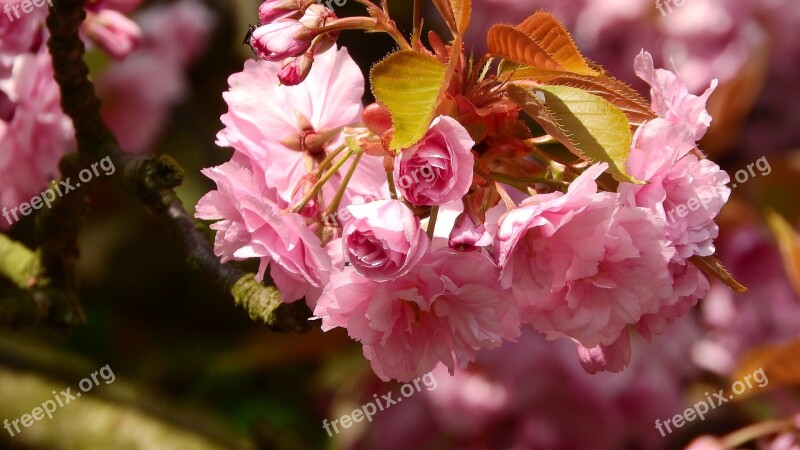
392	189
321	182
527	180
328	159
417	31
347	23
384	23
340	193
432	221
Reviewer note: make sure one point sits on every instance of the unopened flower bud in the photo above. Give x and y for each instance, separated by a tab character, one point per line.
280	40
295	70
317	16
377	118
274	10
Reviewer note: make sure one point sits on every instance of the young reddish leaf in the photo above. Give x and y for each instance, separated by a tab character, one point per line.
550	35
713	268
446	10
409	84
456	14
462	9
509	43
619	94
586	124
789	243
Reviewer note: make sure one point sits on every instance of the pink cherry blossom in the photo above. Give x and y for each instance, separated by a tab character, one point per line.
279	40
113	32
671	98
19	32
177	32
689	286
252	225
610	358
444	310
383	240
438	169
533	394
683	190
266	123
34	132
149	82
581	265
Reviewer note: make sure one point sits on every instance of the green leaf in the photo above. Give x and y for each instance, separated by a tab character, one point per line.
586	124
635	108
408	83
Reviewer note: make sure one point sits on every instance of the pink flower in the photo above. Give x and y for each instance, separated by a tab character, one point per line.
383	240
20	32
610	358
279	40
581	265
176	33
444	310
683	190
34	132
269	124
438	169
251	225
533	394
149	82
671	98
689	286
113	32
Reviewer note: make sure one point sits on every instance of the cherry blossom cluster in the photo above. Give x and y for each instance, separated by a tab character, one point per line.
433	271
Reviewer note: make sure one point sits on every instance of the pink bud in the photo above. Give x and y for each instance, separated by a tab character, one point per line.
280	40
295	70
113	32
274	10
317	16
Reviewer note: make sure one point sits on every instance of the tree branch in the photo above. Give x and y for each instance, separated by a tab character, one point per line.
151	180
